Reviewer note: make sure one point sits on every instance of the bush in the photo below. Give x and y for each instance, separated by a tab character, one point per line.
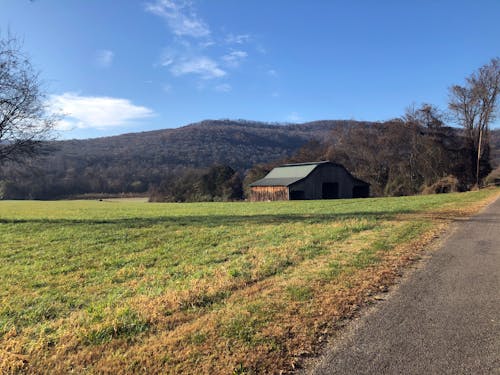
399	186
447	184
493	178
219	183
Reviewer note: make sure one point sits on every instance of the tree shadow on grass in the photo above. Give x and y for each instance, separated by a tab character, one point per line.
216	220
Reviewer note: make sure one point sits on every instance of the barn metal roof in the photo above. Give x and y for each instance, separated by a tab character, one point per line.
287	174
275	181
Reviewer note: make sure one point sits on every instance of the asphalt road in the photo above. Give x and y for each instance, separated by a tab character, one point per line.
443	319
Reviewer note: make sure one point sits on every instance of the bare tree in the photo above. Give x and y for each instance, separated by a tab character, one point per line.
475	106
25	119
427	115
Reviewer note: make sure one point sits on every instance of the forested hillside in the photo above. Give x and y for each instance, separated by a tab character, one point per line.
134	162
137	162
398	157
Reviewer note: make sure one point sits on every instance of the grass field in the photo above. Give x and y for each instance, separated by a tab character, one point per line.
129	286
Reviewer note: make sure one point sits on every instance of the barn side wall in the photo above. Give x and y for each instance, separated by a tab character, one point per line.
268	193
312	185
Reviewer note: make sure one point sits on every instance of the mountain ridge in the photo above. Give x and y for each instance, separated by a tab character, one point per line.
134	162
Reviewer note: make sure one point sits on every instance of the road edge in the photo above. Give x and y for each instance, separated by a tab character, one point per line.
348	326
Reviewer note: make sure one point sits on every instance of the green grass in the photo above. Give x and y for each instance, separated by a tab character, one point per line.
92	273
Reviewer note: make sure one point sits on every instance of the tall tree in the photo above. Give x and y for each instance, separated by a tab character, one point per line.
25	119
474	107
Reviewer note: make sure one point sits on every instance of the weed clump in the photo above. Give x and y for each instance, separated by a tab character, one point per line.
126	324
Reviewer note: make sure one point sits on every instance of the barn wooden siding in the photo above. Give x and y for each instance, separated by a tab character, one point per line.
269	193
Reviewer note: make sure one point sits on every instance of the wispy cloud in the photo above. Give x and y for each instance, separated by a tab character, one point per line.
223	87
97	112
237	39
167	59
272	73
195	49
234	58
203	66
167	87
180	17
294	117
104	58
184	62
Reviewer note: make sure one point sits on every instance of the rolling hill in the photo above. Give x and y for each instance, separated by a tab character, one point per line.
133	162
239	144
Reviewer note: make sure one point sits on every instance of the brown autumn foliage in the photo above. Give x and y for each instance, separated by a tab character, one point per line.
398	157
474	107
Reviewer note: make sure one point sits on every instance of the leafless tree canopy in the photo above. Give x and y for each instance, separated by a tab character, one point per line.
25	121
475	106
403	156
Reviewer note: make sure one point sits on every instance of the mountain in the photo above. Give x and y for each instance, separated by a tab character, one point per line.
239	144
132	162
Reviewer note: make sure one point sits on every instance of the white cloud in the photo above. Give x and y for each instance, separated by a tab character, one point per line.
167	88
224	87
186	59
272	73
180	18
97	112
261	49
234	58
202	66
294	117
172	54
237	39
191	50
167	60
65	125
104	58
206	44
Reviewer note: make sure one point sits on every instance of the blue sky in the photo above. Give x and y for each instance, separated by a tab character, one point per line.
131	65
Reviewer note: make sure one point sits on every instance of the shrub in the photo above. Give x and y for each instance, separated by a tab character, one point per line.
493	178
447	184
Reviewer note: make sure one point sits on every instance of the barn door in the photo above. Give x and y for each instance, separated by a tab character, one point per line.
360	192
297	195
330	190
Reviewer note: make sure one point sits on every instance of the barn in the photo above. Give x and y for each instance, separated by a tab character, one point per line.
318	180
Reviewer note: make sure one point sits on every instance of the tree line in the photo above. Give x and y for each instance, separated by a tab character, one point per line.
419	152
218	183
397	157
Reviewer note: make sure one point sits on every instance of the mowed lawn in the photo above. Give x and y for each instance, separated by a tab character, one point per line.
136	287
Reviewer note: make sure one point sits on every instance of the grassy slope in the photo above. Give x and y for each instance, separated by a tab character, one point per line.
210	287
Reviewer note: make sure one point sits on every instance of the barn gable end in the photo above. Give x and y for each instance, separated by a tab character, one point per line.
318	180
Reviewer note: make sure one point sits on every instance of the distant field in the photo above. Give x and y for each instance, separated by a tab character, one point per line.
129	286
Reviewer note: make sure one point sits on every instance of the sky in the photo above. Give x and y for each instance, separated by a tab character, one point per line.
114	67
